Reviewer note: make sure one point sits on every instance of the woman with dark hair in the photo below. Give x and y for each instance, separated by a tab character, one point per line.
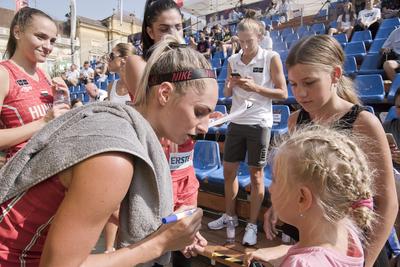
26	92
160	17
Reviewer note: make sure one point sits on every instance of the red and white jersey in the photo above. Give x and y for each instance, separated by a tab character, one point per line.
27	100
25	221
184	181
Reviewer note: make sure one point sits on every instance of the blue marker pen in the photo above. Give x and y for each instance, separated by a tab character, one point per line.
177	216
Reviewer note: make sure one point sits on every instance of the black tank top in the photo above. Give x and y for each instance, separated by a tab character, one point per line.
344	123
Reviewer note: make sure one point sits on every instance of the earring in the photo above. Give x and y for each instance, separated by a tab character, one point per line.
301	215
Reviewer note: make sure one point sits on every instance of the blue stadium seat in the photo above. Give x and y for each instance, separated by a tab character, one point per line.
286	32
275	33
318	28
362	36
292	38
104	85
222	75
281	115
206	158
219	54
71	89
322	14
216	63
333	24
221	108
291	99
243	176
277	39
279	46
85	98
393	88
376	46
306	34
370	88
390	23
392	114
384	32
300	30
111	77
221	96
356	49
341	38
370	65
350	66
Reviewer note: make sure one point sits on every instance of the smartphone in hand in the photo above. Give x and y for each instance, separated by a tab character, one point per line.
391	141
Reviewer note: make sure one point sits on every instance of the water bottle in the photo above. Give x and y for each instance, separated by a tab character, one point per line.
230	230
60	97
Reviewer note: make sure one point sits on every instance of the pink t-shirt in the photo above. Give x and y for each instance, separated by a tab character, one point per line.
320	256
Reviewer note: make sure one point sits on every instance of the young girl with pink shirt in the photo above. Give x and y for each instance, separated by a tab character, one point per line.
325	191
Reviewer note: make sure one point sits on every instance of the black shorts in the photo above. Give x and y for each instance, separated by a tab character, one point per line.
250	139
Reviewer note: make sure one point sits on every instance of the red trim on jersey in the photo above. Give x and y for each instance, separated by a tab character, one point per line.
25	221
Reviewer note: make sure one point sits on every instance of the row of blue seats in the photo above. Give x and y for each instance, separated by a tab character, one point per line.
208	164
319	28
208	167
370	89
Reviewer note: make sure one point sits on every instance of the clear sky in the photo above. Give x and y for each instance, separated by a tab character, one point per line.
94	9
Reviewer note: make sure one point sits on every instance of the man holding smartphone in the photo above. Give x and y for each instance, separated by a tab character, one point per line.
391	54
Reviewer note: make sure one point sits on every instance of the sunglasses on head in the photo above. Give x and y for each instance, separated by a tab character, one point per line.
112	56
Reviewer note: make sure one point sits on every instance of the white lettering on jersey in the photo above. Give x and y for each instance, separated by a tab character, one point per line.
38	111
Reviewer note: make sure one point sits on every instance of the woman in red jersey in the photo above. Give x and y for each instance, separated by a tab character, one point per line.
26	93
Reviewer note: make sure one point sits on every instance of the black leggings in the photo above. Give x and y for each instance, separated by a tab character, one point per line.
373	28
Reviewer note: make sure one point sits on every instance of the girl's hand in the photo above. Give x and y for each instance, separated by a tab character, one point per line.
270	220
197	247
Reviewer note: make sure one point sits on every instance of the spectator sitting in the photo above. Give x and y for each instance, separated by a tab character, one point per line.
368	18
95	94
390	8
227	34
266	42
345	21
204	46
284	9
87	73
101	70
391	52
72	76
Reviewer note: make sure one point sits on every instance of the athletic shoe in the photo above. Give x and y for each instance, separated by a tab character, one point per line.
221	222
250	236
